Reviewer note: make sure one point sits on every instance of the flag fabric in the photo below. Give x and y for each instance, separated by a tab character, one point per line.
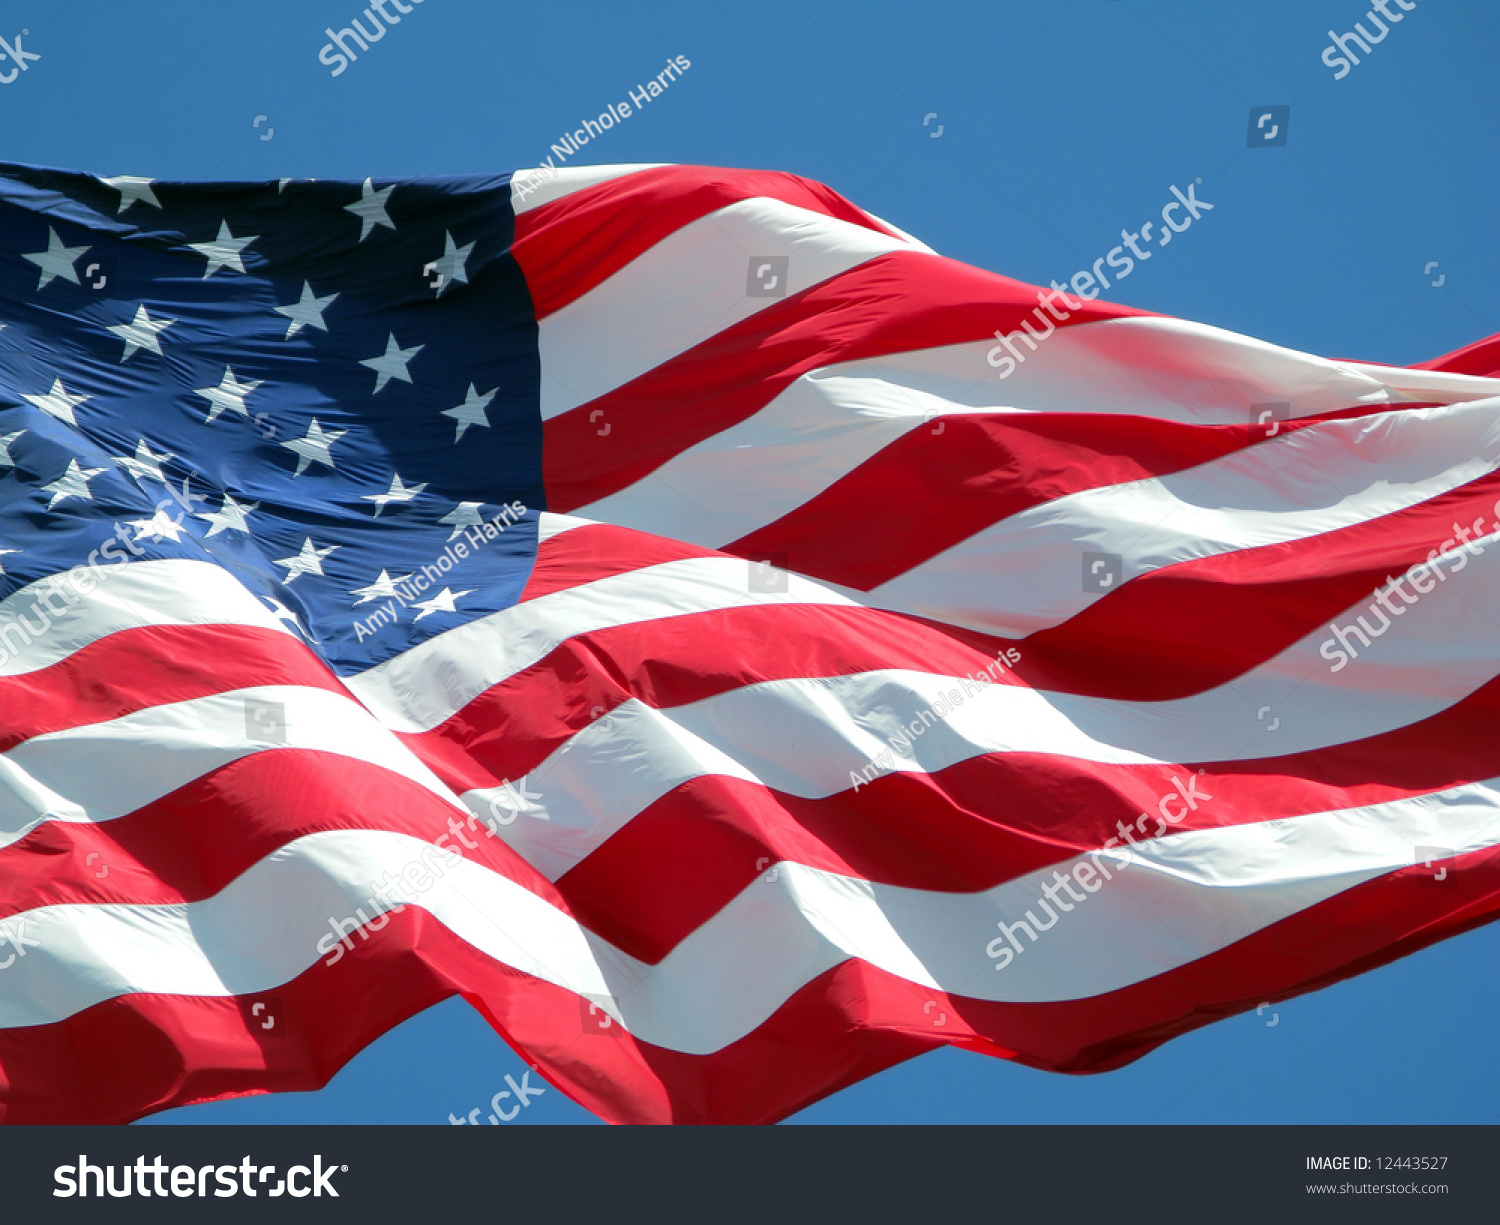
734	647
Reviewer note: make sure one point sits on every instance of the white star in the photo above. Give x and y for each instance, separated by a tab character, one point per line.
186	497
223	251
132	189
158	527
313	448
397	493
309	561
471	411
3	552
229	394
58	403
392	363
140	332
73	483
145	463
450	265
306	312
383	588
57	260
442	602
230	517
370	208
465	514
5	456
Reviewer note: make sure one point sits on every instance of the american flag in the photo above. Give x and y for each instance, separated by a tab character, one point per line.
635	601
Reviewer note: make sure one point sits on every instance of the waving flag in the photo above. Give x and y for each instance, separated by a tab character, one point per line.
734	647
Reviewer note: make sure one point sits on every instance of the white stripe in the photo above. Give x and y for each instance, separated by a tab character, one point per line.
128	595
807	737
1025	572
689	286
816	431
263	929
549	525
831	420
421	687
99	771
1184	896
1436	386
910	239
425	685
534	187
1177	370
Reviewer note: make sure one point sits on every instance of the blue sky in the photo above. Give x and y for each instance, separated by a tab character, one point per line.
1061	122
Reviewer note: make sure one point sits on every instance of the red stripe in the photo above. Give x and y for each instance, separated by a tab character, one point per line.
597	551
512	727
686	855
967	472
572	245
1190	627
668	661
982	822
1481	358
1171	633
894	303
191	843
134	669
127	1057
